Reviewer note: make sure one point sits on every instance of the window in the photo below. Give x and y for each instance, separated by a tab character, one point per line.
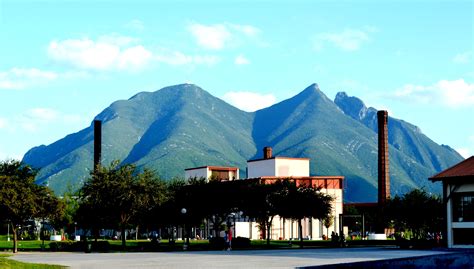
463	236
463	207
220	175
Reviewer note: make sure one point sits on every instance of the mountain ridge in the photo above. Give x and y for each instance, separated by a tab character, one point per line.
184	126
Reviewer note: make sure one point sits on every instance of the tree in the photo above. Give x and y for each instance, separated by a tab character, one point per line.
50	208
260	203
119	196
167	214
213	200
416	212
298	202
67	219
328	222
20	198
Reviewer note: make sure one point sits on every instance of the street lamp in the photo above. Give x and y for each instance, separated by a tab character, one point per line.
233	217
75	231
42	234
186	243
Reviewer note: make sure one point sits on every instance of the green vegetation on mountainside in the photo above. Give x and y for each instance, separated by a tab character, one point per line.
183	126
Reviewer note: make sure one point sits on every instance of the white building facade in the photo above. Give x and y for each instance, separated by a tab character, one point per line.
208	172
458	195
269	169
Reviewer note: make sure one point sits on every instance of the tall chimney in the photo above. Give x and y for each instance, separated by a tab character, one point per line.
383	171
97	142
267	152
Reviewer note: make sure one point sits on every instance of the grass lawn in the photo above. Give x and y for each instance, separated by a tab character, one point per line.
196	245
6	263
24	244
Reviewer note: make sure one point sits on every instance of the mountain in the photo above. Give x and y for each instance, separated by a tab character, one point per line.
413	156
183	126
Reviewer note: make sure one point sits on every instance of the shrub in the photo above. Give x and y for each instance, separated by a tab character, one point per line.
217	243
66	246
241	242
100	246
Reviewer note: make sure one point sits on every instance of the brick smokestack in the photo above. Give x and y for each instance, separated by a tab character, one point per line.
383	161
97	142
267	152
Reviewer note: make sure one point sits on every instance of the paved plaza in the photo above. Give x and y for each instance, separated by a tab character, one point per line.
220	259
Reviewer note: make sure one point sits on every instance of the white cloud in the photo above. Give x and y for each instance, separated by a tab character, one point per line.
241	60
118	40
468	148
218	36
210	37
454	93
348	40
249	101
33	119
462	58
43	114
107	53
37	119
19	78
465	152
115	52
178	58
248	30
134	57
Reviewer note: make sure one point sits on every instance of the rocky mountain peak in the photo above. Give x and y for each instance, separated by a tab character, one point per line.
352	106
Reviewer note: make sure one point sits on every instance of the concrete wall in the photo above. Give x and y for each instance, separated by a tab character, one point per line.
466	188
261	168
337	207
201	172
247	229
291	167
278	166
312	228
234	174
206	172
451	223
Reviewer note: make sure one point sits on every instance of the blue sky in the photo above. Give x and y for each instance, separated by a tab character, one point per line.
62	62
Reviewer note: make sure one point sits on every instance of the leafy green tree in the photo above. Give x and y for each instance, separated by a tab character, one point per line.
167	214
416	213
260	204
119	195
328	221
213	200
50	208
71	204
298	202
21	199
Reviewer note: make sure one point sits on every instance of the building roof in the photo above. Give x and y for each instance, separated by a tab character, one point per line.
221	168
277	157
460	170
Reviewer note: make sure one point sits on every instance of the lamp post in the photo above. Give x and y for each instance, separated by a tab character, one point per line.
75	231
42	233
186	242
8	232
233	216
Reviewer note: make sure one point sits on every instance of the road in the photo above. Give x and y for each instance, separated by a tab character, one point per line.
219	259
